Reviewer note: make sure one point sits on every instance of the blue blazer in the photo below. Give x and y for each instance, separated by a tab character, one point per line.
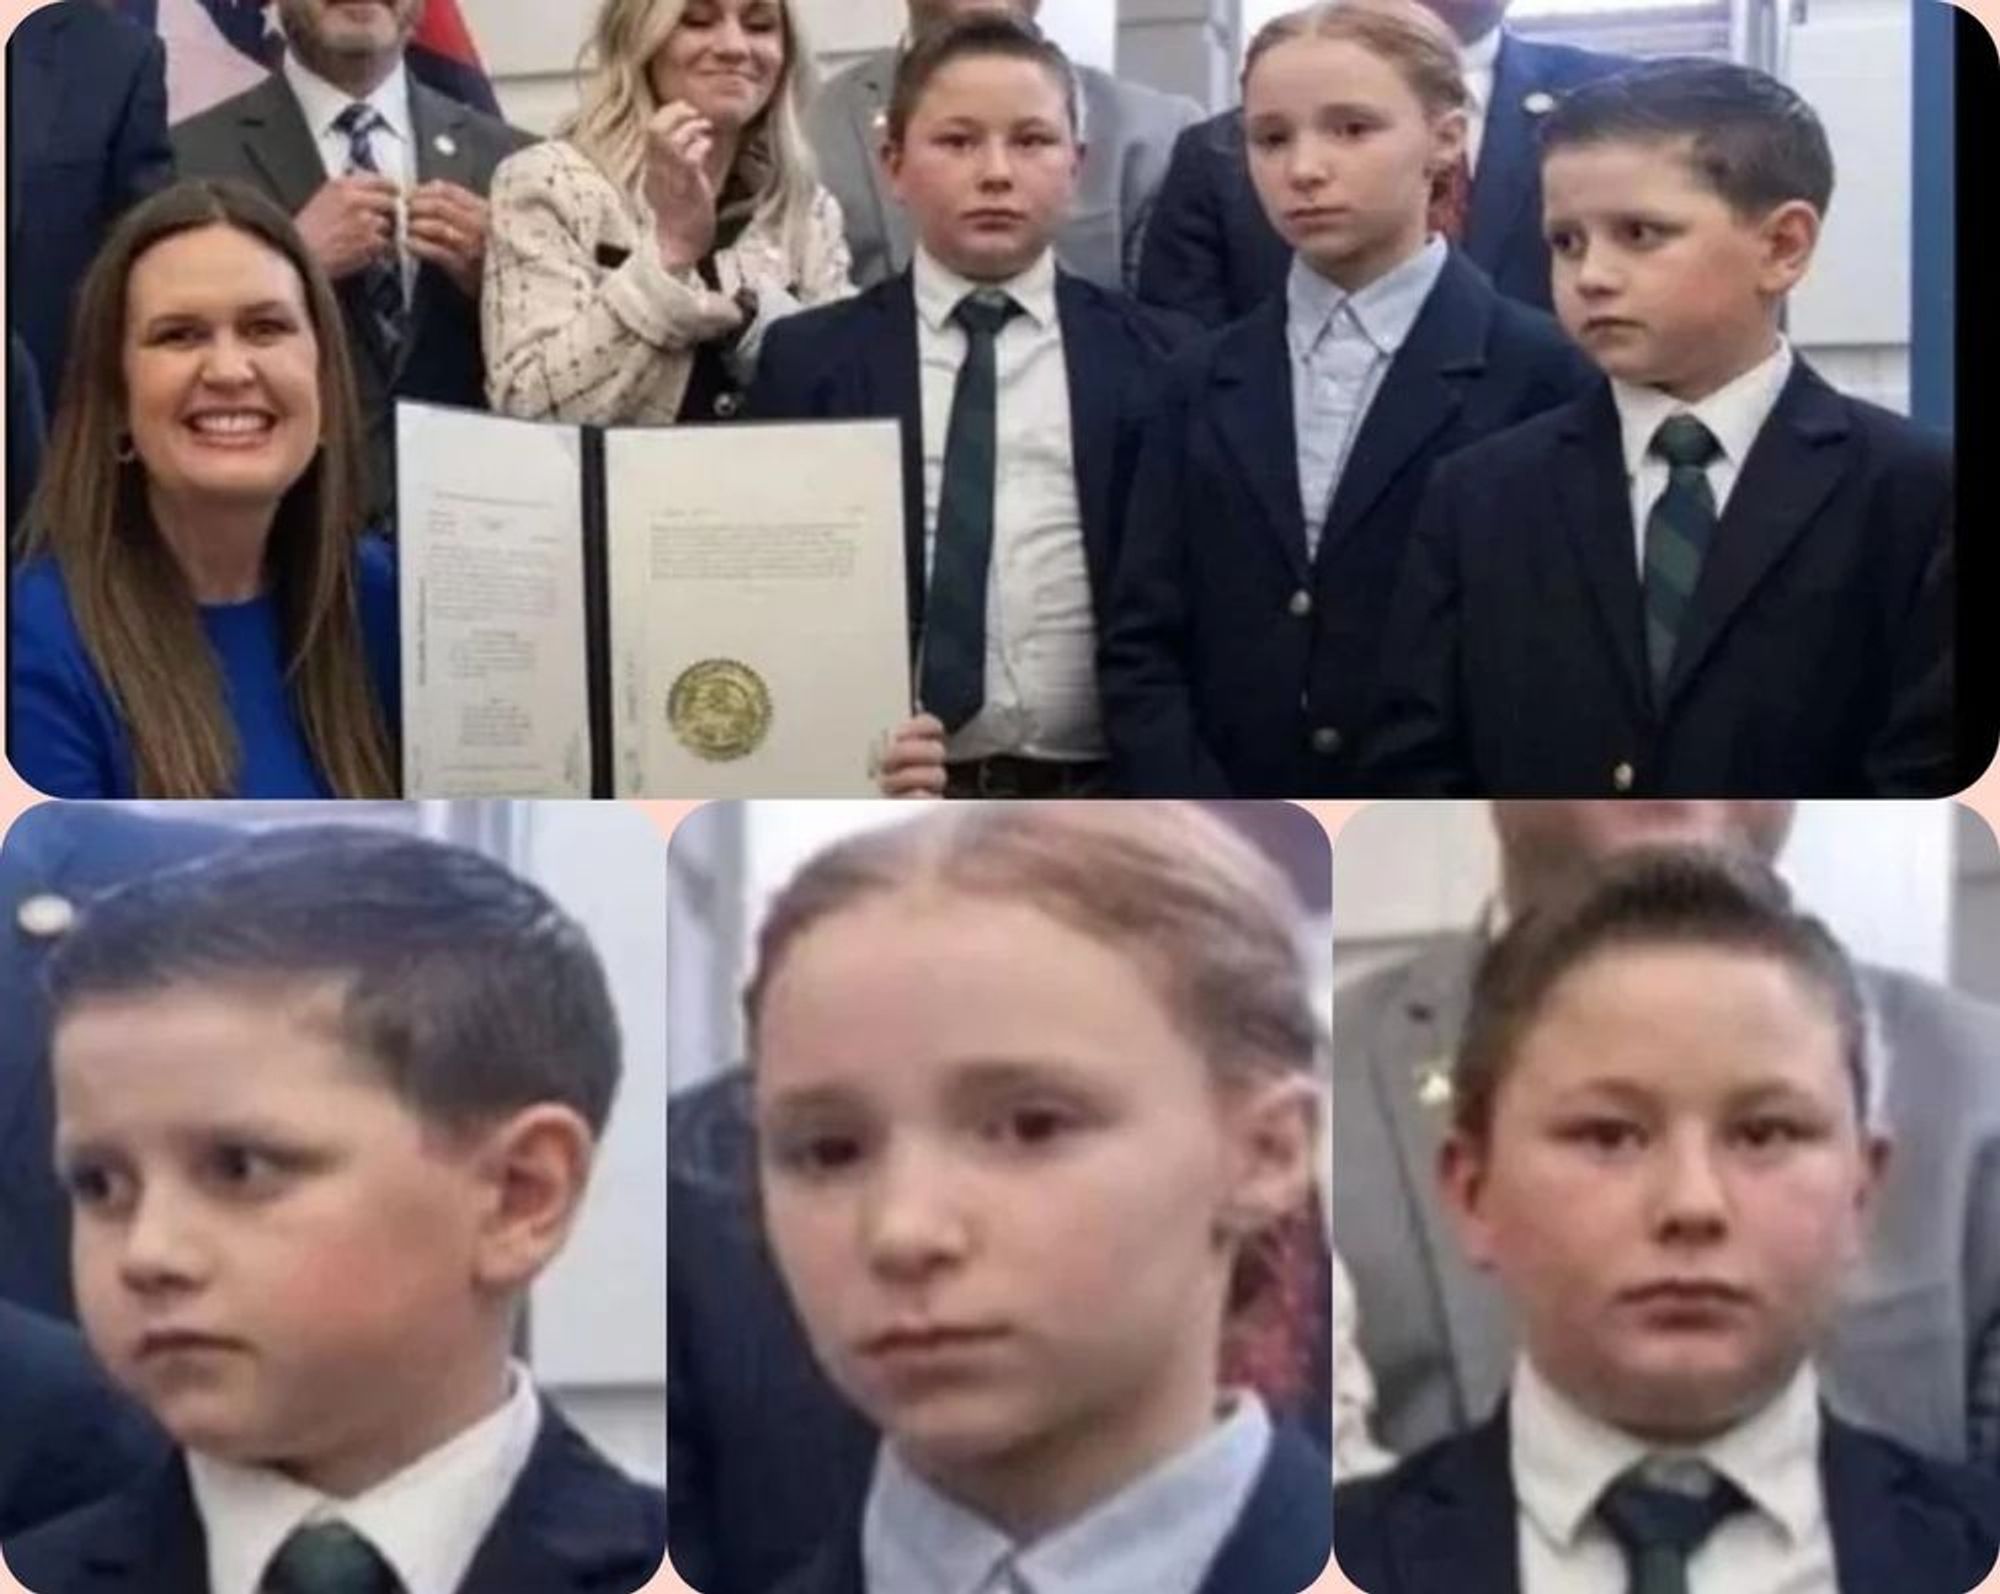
1231	664
574	1524
1212	253
1445	1520
858	358
1279	1544
66	1437
86	137
72	852
1816	659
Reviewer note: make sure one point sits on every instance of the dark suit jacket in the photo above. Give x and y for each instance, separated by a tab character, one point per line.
858	358
261	137
69	851
1815	660
66	1437
1210	250
1279	1544
86	137
1231	664
27	429
1445	1520
573	1524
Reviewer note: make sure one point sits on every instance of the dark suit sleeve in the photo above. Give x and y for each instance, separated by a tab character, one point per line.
142	156
784	371
27	427
1149	716
1912	755
690	1510
1181	264
1416	744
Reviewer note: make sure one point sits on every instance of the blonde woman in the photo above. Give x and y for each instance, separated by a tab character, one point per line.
635	261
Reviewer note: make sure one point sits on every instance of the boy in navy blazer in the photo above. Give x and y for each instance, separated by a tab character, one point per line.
326	1105
1713	573
1278	479
1013	417
1661	1146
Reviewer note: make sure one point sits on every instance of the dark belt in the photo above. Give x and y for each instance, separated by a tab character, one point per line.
1006	775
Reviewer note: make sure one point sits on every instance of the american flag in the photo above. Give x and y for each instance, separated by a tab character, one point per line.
216	48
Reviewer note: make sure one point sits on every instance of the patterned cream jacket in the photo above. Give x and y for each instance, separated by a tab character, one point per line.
581	321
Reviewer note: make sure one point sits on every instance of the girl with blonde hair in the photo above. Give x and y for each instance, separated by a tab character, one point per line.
635	261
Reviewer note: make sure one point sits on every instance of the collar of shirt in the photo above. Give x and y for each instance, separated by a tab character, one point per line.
322	102
1480	60
426	1521
939	289
1564	1458
1384	311
1159	1533
1735	412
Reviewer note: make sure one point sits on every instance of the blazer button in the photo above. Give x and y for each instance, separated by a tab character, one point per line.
1621	777
726	405
1326	740
45	916
1301	604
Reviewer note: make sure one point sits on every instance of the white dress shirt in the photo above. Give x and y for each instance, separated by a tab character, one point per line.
426	1521
1563	1459
1734	413
1480	60
1342	345
1159	1533
1041	672
394	147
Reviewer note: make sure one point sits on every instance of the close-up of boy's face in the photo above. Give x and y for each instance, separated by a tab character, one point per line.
1672	1185
987	166
993	1175
1658	278
259	1222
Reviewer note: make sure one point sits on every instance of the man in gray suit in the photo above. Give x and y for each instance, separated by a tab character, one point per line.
1915	1350
1128	134
386	179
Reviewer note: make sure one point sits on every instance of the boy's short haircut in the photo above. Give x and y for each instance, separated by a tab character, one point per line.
983	33
1648	897
1752	140
465	986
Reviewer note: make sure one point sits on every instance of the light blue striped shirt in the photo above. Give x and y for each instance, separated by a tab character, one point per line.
1341	346
1160	1533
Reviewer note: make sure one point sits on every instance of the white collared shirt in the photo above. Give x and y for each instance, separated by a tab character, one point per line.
1734	413
427	1520
1563	1459
1480	60
1342	345
1160	1533
1041	673
394	146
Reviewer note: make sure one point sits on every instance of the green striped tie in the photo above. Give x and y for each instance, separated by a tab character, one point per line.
1677	535
1659	1528
329	1558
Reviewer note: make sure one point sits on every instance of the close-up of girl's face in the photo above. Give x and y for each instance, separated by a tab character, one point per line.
1673	1183
993	1170
1342	153
724	57
221	368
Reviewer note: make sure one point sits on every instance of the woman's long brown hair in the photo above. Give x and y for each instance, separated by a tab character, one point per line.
138	618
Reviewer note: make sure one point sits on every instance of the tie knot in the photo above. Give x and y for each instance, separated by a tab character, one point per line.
358	120
984	312
1646	1515
329	1558
1683	440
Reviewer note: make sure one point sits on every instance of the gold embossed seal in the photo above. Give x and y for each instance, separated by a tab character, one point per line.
720	709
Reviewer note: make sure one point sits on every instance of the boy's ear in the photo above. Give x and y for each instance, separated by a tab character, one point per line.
890	154
1790	234
532	1168
1461	1180
1448	136
1276	1139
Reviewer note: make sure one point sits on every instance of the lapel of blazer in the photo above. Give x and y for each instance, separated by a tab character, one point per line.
1509	162
1789	474
1596	512
1420	394
1419	1031
890	384
146	1540
1096	358
1283	1535
1886	1533
570	1525
1253	410
443	153
1455	1529
873	80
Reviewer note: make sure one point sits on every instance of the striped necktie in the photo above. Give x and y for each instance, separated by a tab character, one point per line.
381	280
1678	530
1659	1528
953	681
329	1558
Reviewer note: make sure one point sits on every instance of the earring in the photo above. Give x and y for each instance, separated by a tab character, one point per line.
123	450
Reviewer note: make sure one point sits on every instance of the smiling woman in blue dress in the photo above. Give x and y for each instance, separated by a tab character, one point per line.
198	613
